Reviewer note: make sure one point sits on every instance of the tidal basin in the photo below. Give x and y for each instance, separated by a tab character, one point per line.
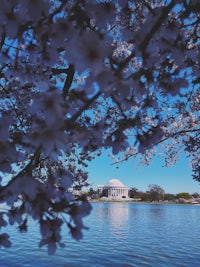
121	235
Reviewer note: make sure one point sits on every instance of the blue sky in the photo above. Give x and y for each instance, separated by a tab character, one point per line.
175	179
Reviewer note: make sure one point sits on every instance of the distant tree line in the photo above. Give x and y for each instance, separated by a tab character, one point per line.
154	193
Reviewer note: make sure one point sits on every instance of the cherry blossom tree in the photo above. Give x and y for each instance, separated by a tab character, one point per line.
79	76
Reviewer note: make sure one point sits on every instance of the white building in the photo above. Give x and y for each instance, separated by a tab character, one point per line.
114	190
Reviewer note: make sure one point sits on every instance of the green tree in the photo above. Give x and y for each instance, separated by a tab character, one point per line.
156	192
170	197
145	196
184	195
93	193
132	192
104	193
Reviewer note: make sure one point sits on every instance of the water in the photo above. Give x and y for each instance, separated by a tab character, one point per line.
120	235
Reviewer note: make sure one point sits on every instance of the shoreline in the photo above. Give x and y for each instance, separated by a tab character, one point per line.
142	202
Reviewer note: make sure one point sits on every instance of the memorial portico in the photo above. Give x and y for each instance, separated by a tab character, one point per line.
113	190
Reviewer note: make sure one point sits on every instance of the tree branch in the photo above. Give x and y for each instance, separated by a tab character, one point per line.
69	79
26	170
149	36
178	133
3	37
164	139
83	108
156	26
56	11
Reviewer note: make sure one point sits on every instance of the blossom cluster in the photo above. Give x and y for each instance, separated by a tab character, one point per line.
79	76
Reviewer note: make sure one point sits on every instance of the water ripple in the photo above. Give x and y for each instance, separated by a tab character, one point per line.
120	235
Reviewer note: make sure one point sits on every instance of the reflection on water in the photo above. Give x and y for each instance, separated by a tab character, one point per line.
118	216
120	235
114	217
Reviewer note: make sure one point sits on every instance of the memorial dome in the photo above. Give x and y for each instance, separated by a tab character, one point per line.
114	183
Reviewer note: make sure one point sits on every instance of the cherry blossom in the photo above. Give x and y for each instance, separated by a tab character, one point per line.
78	77
4	240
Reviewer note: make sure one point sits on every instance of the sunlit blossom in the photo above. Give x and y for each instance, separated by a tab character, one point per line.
78	77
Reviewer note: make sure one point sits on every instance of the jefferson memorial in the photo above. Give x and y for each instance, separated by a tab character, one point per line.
113	190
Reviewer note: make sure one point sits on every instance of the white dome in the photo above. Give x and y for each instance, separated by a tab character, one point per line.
114	183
